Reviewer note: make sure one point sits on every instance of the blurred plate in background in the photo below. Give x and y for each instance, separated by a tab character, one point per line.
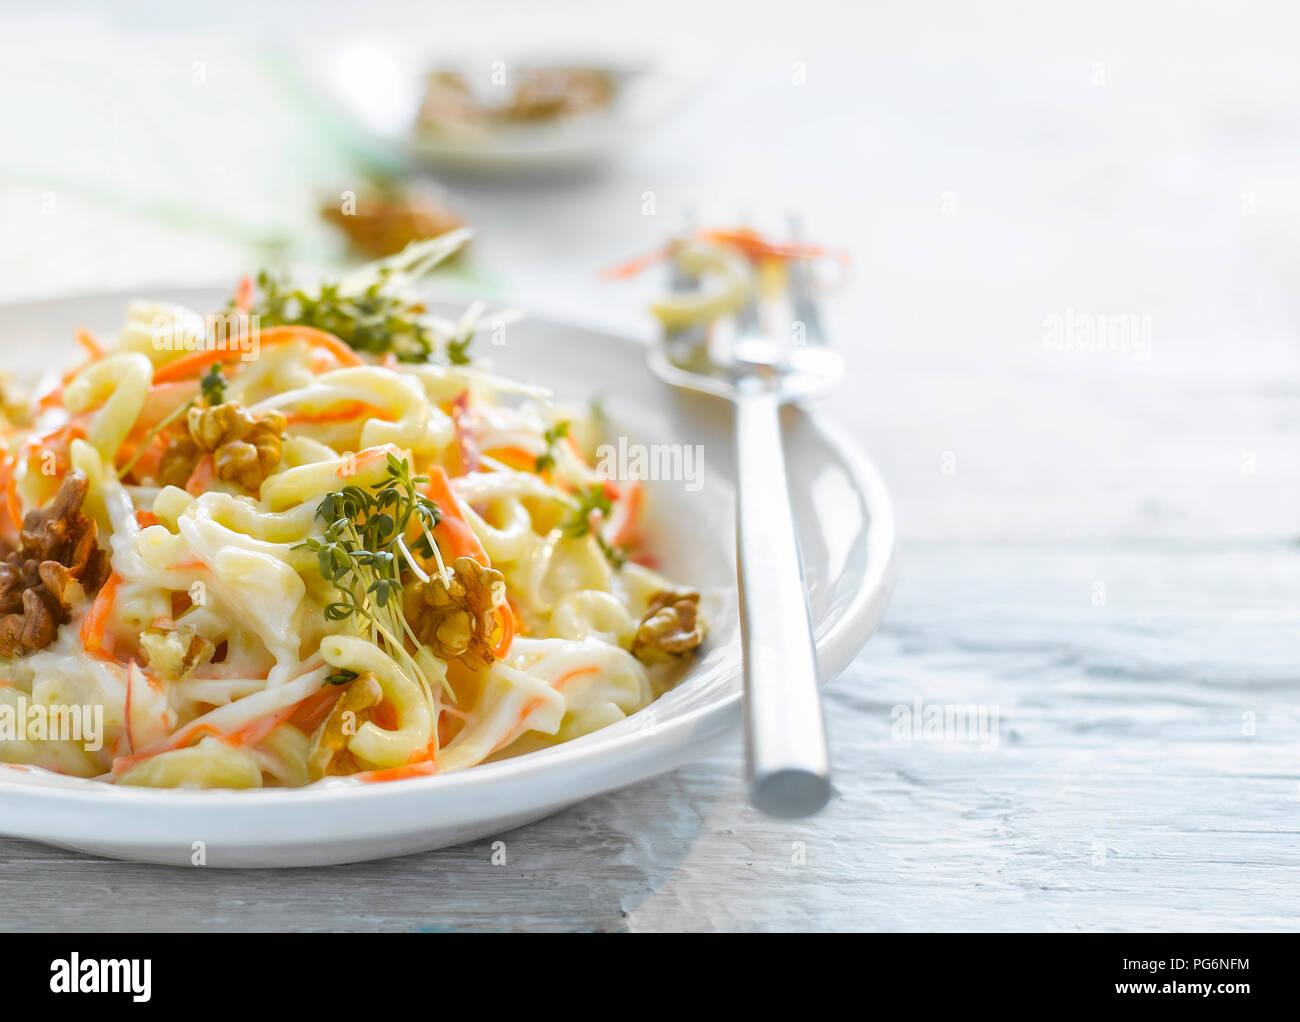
382	91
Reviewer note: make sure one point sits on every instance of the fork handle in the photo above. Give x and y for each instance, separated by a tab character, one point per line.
788	768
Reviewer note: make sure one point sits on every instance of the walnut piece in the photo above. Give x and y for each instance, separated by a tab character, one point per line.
329	748
58	563
174	652
547	93
455	617
669	627
386	220
245	448
178	460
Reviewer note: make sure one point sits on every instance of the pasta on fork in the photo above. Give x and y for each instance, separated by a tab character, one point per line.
308	537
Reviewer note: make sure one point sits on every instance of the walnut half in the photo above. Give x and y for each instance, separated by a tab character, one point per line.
174	652
329	748
455	617
245	448
670	626
58	562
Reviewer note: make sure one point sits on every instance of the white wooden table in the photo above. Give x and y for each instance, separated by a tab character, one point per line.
1100	547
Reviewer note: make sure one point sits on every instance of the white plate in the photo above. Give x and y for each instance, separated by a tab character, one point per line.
847	535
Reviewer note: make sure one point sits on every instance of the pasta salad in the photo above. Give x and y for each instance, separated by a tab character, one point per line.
309	536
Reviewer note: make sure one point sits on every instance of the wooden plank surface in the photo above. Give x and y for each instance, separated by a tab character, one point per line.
1143	777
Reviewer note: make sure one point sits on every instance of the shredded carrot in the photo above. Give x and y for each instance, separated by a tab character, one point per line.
55	441
94	351
750	242
91	343
506	616
250	734
569	675
144	462
13	505
146	518
577	451
449	726
533	704
363	459
244	294
340	413
634	267
200	480
398	773
163	400
623	520
385	716
313	710
255	730
92	628
50	398
756	247
469	454
453	530
341	350
177	741
517	624
192	365
516	457
131	670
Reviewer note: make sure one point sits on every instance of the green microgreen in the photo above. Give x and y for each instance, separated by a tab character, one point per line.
588	502
213	385
364	555
552	436
372	320
458	350
372	310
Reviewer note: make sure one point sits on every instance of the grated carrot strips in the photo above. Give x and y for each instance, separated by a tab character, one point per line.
96	621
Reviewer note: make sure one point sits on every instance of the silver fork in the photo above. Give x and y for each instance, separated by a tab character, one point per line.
786	756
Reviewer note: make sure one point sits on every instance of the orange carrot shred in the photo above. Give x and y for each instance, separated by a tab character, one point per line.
91	343
453	529
398	773
505	615
191	365
200	480
92	628
244	294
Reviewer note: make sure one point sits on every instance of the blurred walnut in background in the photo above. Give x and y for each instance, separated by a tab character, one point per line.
386	217
456	103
